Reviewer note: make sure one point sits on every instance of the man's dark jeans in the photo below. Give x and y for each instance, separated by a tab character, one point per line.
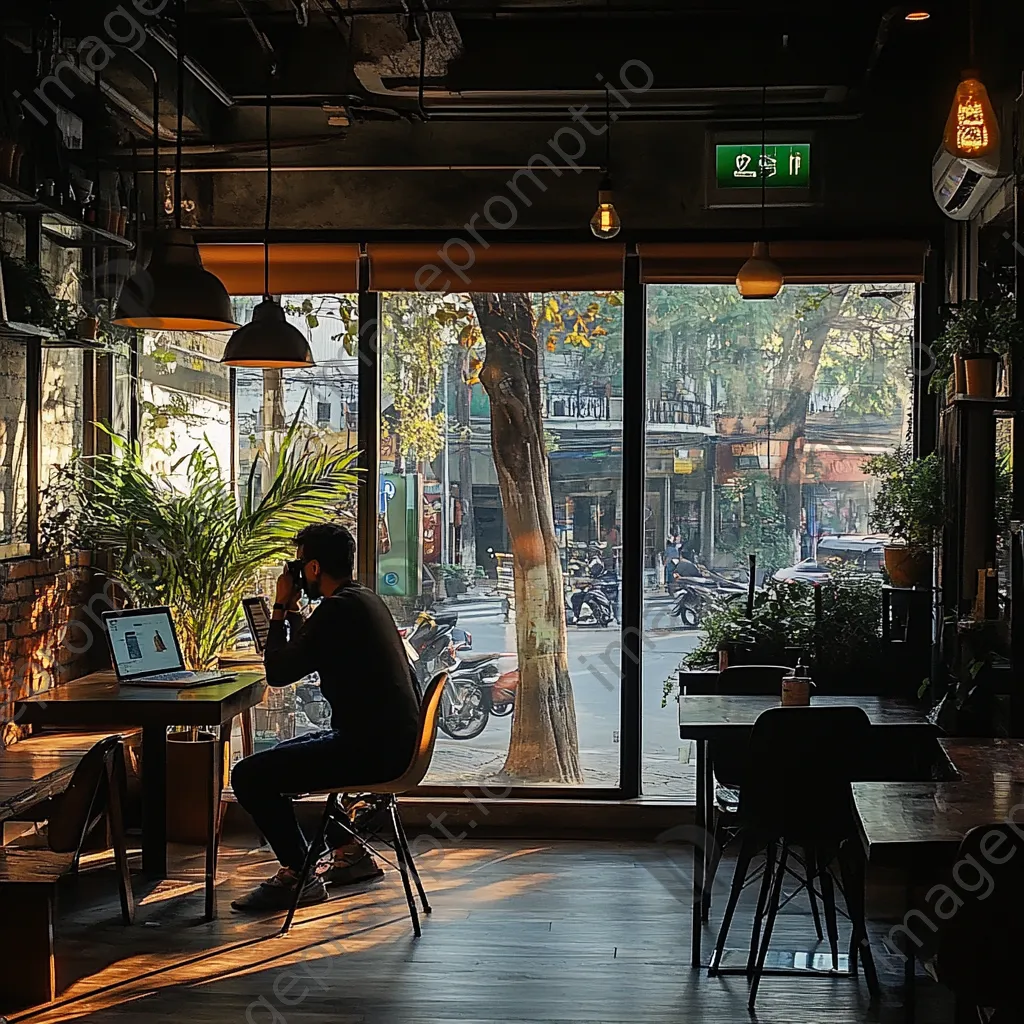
265	783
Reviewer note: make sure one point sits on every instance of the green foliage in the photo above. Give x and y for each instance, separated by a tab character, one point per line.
846	640
973	327
27	293
195	549
908	506
753	522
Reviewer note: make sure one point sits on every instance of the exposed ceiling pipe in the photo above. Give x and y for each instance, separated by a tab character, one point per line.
388	168
197	71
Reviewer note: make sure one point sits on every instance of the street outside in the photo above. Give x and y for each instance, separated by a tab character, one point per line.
594	656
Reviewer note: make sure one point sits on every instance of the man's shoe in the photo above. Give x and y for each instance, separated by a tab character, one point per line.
347	868
278	893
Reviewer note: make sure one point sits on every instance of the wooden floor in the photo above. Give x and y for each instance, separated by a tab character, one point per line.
542	931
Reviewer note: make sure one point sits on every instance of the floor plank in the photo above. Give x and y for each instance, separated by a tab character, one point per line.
540	932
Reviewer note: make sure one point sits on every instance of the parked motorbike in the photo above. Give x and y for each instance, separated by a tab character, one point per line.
588	597
476	689
432	641
697	595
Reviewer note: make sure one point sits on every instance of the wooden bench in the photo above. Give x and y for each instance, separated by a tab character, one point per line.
79	779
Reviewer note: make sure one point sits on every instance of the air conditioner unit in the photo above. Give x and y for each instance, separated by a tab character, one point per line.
962	187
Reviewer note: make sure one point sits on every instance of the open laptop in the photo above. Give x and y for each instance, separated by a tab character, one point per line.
257	615
145	650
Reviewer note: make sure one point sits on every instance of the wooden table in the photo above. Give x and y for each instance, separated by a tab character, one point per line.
703	717
918	826
99	700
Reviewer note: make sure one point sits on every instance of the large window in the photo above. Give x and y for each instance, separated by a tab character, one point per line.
759	419
13	450
318	405
500	506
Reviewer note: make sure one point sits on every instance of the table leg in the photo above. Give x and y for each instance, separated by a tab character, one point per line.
709	821
215	781
910	964
699	854
154	803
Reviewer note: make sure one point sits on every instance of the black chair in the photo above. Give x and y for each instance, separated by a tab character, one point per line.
29	876
979	949
796	793
729	760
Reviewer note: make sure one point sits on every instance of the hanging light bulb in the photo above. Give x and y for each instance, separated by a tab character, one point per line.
760	277
268	341
606	222
972	129
174	292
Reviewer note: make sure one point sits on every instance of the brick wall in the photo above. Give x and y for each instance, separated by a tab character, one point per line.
39	646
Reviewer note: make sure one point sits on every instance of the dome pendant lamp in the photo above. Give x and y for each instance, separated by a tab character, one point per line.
174	292
761	277
268	341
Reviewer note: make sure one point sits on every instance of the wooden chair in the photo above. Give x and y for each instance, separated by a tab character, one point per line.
29	877
390	791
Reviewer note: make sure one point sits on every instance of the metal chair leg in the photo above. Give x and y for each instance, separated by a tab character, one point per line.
769	925
739	877
853	886
812	873
762	903
402	838
828	898
312	856
403	868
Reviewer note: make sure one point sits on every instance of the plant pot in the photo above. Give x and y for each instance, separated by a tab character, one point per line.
908	567
980	374
192	764
88	328
959	375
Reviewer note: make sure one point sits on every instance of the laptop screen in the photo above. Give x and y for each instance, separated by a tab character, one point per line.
143	642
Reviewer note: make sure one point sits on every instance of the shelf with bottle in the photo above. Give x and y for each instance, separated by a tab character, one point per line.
69	224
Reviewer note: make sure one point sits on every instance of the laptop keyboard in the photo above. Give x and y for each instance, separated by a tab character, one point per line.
172	677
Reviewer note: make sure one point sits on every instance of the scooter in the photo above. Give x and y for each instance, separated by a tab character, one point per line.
697	595
588	597
476	689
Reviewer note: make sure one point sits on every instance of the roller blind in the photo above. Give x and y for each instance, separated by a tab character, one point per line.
801	262
295	269
458	266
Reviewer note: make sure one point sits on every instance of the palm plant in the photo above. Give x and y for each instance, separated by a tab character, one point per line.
198	550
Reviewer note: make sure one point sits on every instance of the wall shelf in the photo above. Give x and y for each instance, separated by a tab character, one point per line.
60	227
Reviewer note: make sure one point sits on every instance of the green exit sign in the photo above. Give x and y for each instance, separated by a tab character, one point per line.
785	165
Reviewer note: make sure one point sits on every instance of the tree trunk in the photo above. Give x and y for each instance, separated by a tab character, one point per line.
463	417
791	424
544	745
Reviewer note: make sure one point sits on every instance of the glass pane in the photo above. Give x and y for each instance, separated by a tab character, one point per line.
759	418
322	403
13	461
499	519
60	441
185	396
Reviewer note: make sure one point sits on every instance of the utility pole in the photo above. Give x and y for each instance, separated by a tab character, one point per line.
446	484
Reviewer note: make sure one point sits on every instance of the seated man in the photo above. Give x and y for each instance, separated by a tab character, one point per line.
352	643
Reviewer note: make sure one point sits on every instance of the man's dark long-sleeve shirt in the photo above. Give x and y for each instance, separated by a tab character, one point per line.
352	643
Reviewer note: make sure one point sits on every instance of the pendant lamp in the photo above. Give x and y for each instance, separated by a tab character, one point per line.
268	341
174	292
606	222
972	128
761	277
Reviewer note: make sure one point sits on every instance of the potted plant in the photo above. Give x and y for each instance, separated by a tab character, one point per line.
193	548
908	509
978	334
26	292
